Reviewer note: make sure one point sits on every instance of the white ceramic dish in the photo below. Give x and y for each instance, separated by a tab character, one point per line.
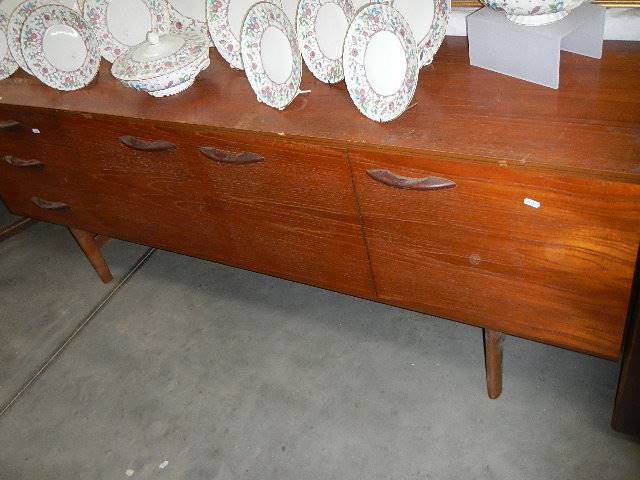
60	47
165	64
321	28
189	15
380	62
534	12
225	19
428	20
8	65
8	6
18	17
273	63
290	7
121	24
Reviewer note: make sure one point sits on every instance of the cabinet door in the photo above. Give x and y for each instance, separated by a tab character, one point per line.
543	256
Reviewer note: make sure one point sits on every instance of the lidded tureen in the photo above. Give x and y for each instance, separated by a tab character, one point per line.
534	12
163	64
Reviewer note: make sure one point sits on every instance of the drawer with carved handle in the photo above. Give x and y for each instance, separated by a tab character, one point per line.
279	207
548	257
30	126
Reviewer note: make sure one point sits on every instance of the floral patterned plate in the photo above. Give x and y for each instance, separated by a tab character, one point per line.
186	15
17	19
428	20
380	62
322	26
270	54
8	65
60	47
225	24
121	24
290	7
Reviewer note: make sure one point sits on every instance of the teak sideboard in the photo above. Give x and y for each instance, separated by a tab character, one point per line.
491	201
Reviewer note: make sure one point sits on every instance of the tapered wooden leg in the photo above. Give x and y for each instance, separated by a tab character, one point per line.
91	248
493	361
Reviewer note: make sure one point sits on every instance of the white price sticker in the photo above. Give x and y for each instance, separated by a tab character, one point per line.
531	202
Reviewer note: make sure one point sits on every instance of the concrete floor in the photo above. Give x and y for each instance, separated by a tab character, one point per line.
193	371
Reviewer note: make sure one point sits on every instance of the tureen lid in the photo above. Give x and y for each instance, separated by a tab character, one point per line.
160	55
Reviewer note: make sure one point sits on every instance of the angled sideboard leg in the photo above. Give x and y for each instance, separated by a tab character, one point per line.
90	245
493	361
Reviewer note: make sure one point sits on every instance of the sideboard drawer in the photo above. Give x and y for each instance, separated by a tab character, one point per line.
30	126
114	198
541	256
262	203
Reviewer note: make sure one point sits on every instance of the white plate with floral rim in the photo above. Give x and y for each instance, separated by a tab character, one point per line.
60	48
8	65
290	7
17	19
428	20
273	63
380	62
189	15
358	4
321	28
8	6
121	24
225	19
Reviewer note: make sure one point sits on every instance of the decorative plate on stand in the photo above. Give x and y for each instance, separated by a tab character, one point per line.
380	62
270	53
17	19
187	15
60	48
225	19
121	24
428	20
8	6
8	65
358	4
321	28
290	7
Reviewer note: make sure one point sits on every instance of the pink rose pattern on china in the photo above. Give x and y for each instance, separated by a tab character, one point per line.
8	65
32	36
258	19
428	46
180	23
325	69
370	20
95	13
532	7
223	38
16	20
193	51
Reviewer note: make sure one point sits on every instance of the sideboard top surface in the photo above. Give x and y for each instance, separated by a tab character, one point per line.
591	124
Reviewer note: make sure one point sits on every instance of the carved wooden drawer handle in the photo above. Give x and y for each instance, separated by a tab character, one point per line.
425	183
230	157
145	145
8	124
47	205
21	163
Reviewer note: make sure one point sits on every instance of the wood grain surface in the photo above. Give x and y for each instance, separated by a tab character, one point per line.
482	253
590	125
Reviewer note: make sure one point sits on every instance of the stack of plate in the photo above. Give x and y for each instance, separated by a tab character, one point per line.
377	48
